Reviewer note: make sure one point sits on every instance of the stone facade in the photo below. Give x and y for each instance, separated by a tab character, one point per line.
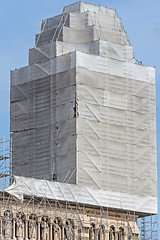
47	220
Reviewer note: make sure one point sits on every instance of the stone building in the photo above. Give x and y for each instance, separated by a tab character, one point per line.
29	213
82	118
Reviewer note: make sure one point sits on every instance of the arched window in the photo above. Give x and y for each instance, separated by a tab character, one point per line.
101	232
112	233
92	231
121	233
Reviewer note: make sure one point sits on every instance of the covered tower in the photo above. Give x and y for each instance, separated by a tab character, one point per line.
83	111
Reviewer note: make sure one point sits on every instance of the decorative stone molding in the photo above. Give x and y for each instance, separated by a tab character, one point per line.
42	222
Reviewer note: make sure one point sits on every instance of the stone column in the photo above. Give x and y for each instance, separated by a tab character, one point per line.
1	230
62	231
50	229
87	232
107	234
26	227
13	230
38	228
103	234
96	231
14	227
116	235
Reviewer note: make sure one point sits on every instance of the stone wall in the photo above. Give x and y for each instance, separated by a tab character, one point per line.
44	220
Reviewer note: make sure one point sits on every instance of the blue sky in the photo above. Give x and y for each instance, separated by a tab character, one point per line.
20	21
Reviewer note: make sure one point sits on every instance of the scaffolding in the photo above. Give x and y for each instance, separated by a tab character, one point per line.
5	163
58	106
114	129
149	227
76	217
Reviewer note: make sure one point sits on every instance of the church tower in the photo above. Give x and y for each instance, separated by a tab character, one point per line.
83	111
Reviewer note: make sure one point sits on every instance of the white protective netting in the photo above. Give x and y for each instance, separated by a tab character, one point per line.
83	112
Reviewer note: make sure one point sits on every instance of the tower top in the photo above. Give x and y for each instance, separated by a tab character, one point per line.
84	7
